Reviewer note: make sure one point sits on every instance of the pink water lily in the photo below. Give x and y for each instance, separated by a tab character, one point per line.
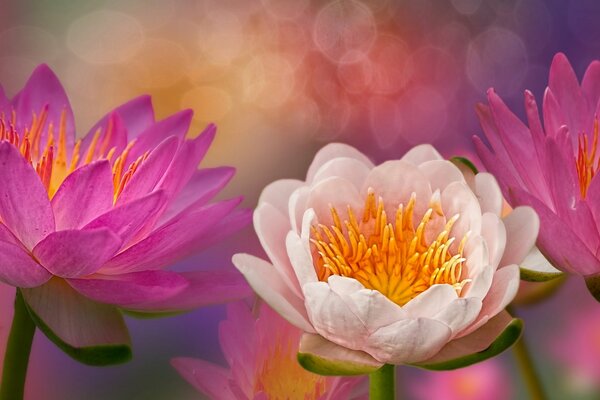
88	226
404	262
260	348
552	164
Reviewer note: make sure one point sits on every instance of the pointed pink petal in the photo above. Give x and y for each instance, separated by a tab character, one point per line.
136	115
7	236
85	194
557	241
174	125
201	188
150	172
128	219
267	283
205	288
18	268
173	241
553	115
590	85
43	89
185	162
113	133
75	320
74	253
130	290
210	379
24	205
563	83
493	164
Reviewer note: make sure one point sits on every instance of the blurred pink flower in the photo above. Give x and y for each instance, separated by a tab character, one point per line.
261	353
403	262
552	167
88	226
487	380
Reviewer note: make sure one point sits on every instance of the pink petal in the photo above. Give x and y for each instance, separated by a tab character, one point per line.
112	134
503	172
331	151
205	288
590	85
422	153
173	241
150	172
210	379
201	188
267	283
74	253
563	83
24	205
77	321
130	218
557	241
185	163
477	341
85	194
174	125
553	115
18	268
7	236
130	290
43	89
137	115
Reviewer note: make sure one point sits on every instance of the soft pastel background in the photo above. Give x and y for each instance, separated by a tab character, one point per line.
281	78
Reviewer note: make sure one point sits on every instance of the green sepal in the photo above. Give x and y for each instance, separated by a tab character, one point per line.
531	275
466	162
323	366
506	339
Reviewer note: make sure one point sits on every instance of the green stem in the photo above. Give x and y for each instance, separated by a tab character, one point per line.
528	371
382	383
18	348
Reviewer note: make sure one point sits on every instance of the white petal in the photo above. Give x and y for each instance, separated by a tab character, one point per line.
278	193
535	261
422	153
488	192
333	192
395	181
268	284
335	150
428	303
460	313
457	198
272	227
297	207
301	259
348	168
480	284
441	173
494	233
408	341
522	226
477	255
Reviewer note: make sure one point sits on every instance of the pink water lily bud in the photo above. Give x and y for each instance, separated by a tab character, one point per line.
401	263
260	348
88	226
551	164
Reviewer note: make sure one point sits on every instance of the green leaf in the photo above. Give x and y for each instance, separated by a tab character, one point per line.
151	315
323	357
507	338
466	162
90	332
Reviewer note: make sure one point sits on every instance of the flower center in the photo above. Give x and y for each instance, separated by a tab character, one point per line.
394	257
586	163
50	159
280	377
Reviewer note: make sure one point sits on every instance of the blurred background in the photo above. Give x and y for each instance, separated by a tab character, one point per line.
281	78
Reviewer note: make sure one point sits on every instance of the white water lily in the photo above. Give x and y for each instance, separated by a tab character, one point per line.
401	263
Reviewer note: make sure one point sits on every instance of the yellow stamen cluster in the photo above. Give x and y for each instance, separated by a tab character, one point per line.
586	163
280	377
49	159
392	257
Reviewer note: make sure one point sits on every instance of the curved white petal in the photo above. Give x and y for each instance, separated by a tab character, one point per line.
278	193
428	303
297	207
441	173
354	170
458	198
494	233
422	153
269	285
301	259
488	192
331	151
522	226
460	313
333	192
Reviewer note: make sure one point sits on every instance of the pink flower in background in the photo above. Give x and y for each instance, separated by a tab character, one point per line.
88	226
553	166
488	380
403	262
261	352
